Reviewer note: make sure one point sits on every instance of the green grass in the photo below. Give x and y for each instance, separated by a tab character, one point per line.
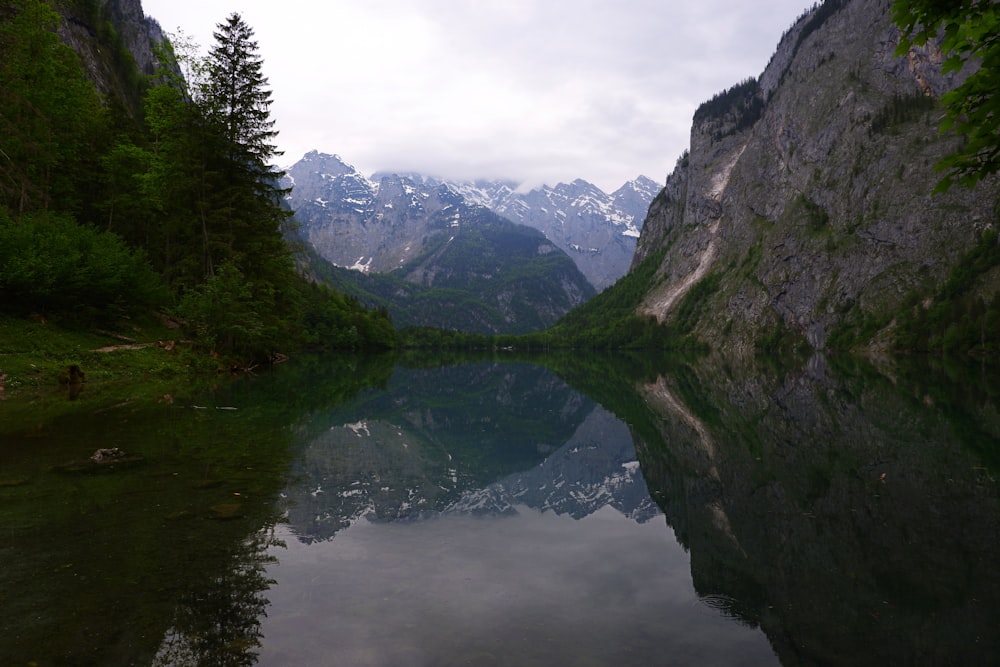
35	352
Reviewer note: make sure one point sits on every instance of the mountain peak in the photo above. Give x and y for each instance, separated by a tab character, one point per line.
328	161
596	229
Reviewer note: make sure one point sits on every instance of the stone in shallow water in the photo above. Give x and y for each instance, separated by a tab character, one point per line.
105	455
100	461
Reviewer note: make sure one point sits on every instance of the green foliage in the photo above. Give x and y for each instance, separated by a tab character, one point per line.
815	216
617	302
782	343
739	106
228	314
429	338
691	306
856	327
610	320
192	190
51	118
486	262
820	12
49	262
970	30
959	319
331	320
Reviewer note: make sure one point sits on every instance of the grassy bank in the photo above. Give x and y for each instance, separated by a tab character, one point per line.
138	358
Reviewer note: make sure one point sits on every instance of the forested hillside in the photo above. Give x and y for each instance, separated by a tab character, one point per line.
152	192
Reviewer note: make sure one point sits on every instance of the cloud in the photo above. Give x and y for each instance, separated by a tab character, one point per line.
527	89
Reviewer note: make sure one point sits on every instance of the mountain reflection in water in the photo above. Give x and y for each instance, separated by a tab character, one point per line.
483	514
599	510
847	516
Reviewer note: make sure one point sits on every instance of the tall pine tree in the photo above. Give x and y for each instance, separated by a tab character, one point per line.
236	101
235	95
240	215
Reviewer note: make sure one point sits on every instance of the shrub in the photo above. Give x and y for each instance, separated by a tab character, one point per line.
48	262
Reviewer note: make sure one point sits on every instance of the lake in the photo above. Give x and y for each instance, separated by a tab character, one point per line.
563	509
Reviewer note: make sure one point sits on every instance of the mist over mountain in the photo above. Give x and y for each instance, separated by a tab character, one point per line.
416	248
596	229
334	201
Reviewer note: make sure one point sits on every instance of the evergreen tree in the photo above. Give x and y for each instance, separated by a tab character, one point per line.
236	101
235	95
219	192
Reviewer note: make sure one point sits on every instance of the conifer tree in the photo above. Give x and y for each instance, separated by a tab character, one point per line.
235	95
237	202
236	101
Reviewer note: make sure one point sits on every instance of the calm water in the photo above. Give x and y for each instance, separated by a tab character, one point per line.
596	511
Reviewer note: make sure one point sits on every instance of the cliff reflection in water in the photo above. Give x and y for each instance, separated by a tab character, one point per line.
854	518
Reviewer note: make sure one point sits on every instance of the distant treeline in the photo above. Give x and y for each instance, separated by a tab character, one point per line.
737	107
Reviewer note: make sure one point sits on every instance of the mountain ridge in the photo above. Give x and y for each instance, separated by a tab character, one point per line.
596	229
431	259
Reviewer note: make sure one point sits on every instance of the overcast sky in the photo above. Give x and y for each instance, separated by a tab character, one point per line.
538	91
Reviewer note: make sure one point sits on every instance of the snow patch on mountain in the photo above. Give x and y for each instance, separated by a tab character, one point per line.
596	229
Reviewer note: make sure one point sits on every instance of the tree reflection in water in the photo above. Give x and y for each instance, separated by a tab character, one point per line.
219	623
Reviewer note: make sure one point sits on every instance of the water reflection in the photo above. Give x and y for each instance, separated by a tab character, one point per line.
161	560
853	517
600	510
476	438
483	514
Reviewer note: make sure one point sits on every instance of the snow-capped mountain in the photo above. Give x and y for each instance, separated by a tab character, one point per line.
359	222
434	259
596	229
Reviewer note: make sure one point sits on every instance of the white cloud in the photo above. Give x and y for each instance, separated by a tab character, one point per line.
528	89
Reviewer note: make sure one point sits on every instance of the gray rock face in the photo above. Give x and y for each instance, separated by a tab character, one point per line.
597	230
137	33
808	191
358	223
453	264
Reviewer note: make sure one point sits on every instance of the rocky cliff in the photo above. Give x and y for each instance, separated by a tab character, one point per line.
804	205
110	36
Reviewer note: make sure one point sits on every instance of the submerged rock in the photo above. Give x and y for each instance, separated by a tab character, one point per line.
111	458
105	455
